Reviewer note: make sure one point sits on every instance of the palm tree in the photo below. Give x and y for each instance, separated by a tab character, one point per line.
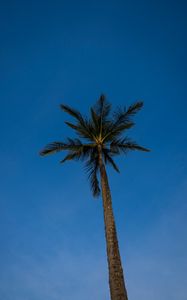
100	138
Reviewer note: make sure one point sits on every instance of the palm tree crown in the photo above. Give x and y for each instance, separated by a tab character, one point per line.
100	132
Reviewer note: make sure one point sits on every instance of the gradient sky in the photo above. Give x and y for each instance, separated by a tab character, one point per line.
51	233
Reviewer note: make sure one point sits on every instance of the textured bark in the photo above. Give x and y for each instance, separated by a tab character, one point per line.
116	277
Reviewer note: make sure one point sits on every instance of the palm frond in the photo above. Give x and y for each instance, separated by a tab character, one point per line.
94	182
83	127
92	168
71	156
125	145
95	121
72	112
100	112
102	107
134	108
122	120
114	131
78	150
109	160
124	116
73	126
53	148
85	131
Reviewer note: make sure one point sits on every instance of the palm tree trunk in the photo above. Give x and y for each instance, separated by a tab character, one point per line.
116	278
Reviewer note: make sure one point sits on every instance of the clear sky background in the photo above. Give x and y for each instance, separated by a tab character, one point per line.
51	229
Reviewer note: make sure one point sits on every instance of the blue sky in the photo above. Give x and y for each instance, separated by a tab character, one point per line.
51	233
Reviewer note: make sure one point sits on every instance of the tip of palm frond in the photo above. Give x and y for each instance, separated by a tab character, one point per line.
143	149
53	148
63	106
72	112
62	161
146	150
134	108
66	108
73	126
102	97
139	104
44	152
96	194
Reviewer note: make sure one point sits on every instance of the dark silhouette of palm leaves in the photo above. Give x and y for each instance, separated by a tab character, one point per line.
99	130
